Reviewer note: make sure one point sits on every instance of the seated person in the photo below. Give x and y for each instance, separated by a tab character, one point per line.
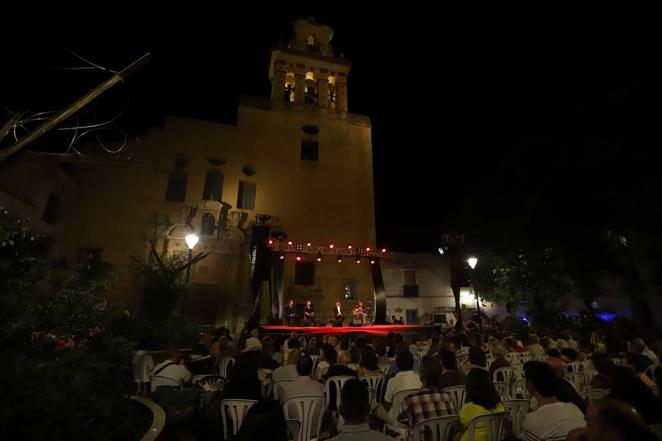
450	375
552	419
354	408
170	372
430	401
612	420
482	398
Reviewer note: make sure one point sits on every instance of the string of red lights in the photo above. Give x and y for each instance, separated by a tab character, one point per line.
300	249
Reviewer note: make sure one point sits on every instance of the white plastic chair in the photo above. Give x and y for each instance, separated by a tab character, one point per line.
650	372
504	374
316	359
511	357
518	389
338	382
224	366
398	398
594	394
308	410
524	357
458	394
502	389
143	363
293	427
267	388
434	429
573	366
491	422
517	410
577	379
376	386
236	411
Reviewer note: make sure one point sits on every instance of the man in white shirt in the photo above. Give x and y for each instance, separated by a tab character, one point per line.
405	379
303	385
552	420
287	372
170	372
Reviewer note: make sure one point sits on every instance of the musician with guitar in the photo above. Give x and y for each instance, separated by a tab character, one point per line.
359	313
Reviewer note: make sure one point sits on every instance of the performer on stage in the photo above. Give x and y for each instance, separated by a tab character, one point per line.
291	313
359	314
309	312
337	312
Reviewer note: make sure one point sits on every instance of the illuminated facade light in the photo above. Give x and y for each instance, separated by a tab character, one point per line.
339	259
319	257
358	259
308	244
281	256
332	246
299	257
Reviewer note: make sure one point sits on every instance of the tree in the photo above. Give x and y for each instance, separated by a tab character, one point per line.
58	368
534	279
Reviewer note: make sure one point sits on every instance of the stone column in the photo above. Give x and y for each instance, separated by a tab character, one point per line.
341	92
278	81
323	89
299	83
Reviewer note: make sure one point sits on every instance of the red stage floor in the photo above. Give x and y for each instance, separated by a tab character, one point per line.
374	329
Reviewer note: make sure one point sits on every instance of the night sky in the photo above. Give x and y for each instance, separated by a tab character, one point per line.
476	121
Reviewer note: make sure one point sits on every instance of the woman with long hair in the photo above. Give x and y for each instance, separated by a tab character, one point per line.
482	398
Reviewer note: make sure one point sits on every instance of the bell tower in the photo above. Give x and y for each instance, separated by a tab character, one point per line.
306	72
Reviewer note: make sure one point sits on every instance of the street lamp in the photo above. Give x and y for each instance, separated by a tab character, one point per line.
472	261
191	240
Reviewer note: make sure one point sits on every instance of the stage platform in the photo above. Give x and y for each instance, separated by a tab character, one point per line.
382	330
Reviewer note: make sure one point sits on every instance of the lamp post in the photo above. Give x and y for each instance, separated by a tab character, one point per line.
472	261
191	240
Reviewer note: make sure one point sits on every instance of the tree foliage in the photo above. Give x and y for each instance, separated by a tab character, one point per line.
63	378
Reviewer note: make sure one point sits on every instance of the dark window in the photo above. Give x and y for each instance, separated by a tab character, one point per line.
310	130
52	209
309	150
410	277
176	191
208	222
213	190
304	273
246	196
410	289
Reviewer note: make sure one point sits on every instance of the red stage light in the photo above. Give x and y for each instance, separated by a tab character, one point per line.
299	258
271	242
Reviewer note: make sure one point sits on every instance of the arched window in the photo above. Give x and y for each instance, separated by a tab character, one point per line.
213	186
208	223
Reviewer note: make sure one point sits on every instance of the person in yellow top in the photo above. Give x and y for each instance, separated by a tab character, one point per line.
482	398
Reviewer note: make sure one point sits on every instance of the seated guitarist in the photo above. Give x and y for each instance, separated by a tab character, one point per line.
309	312
359	314
291	313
